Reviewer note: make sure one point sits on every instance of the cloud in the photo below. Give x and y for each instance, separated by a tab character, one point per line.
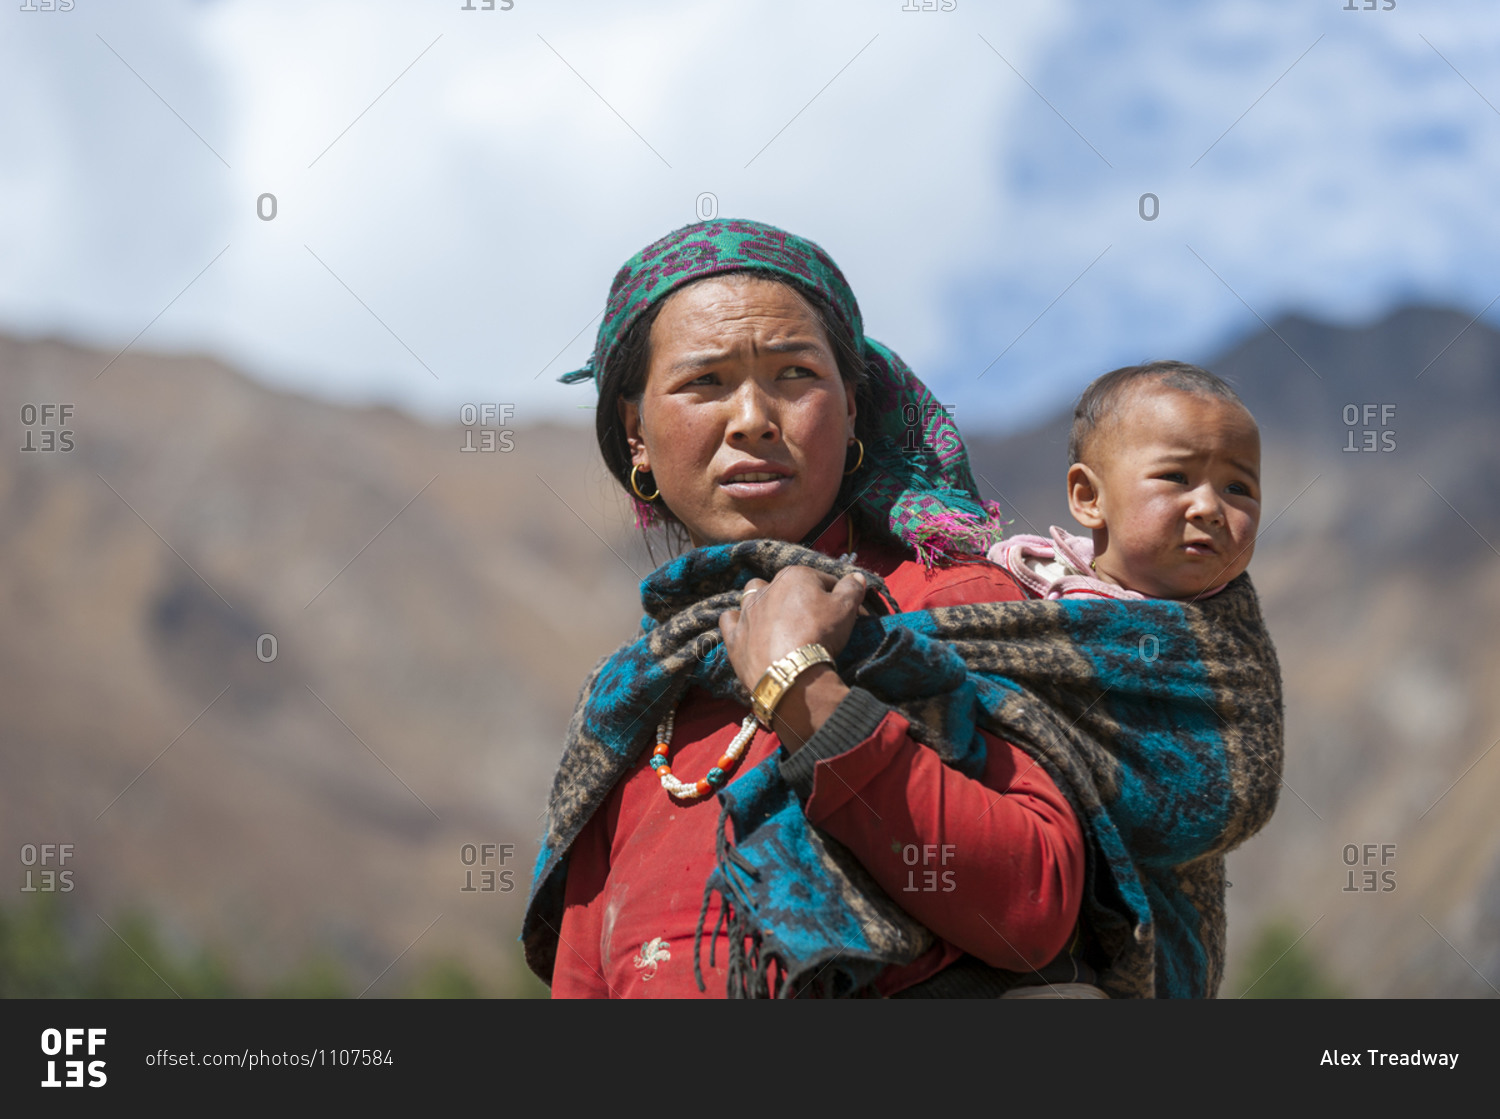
1312	159
477	177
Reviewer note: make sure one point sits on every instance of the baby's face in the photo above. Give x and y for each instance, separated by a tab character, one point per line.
1179	492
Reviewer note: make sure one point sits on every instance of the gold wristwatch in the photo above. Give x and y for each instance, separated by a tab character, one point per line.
778	678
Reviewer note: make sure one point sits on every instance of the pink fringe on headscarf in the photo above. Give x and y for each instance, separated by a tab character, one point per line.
945	536
646	515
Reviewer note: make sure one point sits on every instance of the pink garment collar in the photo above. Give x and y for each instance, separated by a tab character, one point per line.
1028	557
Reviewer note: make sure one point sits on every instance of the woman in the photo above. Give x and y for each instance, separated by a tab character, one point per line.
815	836
747	424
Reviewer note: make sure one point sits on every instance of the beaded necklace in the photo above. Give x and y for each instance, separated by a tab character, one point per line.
715	776
719	773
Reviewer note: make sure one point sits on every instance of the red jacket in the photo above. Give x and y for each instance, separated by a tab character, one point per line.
994	866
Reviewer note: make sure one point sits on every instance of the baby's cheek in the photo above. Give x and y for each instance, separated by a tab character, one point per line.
1155	525
1246	529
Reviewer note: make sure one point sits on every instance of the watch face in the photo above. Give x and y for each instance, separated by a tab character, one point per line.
767	690
779	677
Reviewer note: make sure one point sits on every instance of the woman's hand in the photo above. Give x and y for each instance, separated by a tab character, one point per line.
799	606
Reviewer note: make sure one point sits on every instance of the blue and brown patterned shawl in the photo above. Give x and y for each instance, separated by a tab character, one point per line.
1160	720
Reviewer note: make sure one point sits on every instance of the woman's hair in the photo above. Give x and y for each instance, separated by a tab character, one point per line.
624	378
1103	398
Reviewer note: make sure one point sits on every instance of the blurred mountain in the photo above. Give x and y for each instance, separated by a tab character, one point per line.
433	610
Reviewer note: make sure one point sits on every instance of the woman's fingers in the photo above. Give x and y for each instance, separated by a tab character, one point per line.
729	625
798	573
800	605
851	588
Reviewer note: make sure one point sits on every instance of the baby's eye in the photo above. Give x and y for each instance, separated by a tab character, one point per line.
1175	476
1239	487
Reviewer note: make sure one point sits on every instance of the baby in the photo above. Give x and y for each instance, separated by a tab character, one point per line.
1165	472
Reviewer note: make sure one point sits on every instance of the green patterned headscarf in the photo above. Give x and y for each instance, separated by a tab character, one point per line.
916	479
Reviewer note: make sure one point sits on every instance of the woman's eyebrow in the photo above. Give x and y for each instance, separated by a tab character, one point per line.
713	357
698	360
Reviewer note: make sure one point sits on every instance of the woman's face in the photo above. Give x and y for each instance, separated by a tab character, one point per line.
744	421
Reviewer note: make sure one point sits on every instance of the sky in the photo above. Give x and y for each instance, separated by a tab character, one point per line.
1022	195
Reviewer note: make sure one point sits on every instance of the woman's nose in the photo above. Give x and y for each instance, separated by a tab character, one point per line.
754	415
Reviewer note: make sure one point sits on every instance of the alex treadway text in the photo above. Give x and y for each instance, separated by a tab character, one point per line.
1376	1057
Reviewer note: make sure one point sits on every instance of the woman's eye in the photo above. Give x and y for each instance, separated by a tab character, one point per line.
797	370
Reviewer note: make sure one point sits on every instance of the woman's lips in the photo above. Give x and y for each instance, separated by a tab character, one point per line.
767	487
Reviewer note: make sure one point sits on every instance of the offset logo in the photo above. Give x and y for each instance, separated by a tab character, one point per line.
66	1043
491	420
47	855
490	881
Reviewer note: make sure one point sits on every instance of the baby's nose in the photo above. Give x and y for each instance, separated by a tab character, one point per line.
1209	508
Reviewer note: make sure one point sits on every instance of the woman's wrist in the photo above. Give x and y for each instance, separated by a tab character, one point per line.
807	704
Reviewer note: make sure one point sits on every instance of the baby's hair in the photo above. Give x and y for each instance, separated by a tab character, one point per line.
1106	393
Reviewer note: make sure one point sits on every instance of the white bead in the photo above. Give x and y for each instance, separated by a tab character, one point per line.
680	789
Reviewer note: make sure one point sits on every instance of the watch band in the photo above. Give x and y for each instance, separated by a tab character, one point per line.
779	677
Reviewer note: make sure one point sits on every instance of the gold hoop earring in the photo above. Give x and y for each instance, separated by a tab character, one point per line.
637	488
859	460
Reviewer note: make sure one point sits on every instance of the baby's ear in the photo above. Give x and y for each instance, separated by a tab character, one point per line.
1084	496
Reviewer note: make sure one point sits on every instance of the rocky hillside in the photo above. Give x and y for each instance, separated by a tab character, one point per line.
432	610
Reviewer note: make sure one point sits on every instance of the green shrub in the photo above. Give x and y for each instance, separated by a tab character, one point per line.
40	957
1282	965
